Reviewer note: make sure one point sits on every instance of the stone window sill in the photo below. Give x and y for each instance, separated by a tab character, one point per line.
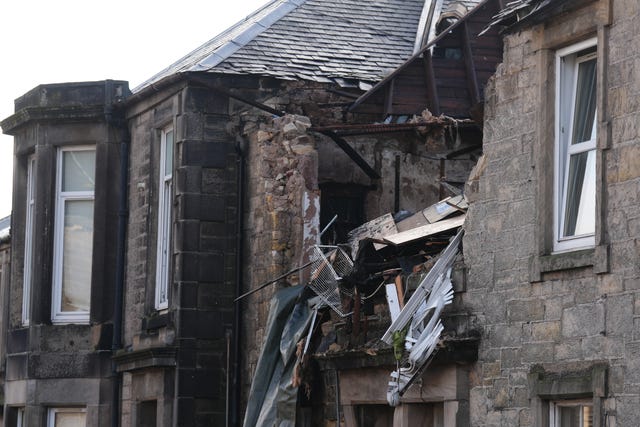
156	321
596	257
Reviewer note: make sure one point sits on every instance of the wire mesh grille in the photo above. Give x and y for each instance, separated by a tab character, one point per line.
330	264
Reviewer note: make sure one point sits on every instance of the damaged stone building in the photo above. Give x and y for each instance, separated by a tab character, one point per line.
171	244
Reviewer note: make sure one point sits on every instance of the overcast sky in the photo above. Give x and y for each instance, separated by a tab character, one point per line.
44	41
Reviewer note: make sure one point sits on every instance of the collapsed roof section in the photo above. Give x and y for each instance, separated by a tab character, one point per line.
447	75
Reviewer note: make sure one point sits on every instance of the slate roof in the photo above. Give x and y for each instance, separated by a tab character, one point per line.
5	228
318	40
518	10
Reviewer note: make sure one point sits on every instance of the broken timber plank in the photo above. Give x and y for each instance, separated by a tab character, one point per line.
434	213
374	229
440	210
424	231
459	202
414	221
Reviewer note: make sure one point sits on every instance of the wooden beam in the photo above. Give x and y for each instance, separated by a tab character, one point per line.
388	99
424	231
432	89
472	77
479	7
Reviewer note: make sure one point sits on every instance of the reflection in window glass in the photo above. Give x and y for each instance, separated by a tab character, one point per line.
575	198
78	170
581	198
164	255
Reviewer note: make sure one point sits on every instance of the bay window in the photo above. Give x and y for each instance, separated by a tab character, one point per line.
575	147
73	235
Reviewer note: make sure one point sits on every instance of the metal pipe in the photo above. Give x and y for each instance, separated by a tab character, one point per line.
123	214
227	405
337	398
237	326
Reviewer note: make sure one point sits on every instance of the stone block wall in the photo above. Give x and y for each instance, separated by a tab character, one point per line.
559	314
43	357
199	321
282	218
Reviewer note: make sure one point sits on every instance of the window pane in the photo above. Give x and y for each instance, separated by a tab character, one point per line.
78	249
574	416
581	197
168	153
164	250
78	170
70	419
570	416
585	107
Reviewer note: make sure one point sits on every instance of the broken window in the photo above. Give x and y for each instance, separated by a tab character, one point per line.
575	166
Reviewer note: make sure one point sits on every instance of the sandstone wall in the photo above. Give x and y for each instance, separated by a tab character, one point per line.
548	315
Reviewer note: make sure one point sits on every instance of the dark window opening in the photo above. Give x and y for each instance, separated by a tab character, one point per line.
147	414
374	415
447	52
346	201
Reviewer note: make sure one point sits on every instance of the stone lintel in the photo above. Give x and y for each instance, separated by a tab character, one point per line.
147	358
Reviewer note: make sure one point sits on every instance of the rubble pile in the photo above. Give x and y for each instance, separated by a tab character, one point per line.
380	293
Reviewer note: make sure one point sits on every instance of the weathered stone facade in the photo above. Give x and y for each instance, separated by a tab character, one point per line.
178	357
556	325
43	358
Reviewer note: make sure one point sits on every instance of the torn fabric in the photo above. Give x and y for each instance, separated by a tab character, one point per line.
272	399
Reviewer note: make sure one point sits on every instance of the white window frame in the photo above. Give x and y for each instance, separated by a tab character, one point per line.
51	414
554	410
163	245
566	82
20	417
57	315
28	241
